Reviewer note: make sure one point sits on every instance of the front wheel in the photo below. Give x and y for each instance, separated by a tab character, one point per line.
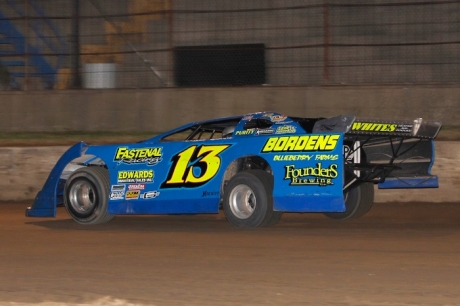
86	195
358	201
248	200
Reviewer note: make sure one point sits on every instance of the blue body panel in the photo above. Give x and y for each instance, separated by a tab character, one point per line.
163	175
186	177
204	197
410	182
417	181
46	200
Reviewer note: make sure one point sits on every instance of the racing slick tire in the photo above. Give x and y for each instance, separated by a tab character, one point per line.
86	195
358	201
248	200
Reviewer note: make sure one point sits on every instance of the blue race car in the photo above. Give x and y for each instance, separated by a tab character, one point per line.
254	167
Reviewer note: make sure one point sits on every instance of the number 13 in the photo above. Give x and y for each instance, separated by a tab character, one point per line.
184	163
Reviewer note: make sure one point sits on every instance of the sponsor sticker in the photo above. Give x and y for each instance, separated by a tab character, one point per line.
245	132
265	131
132	194
301	143
149	156
136	187
306	176
118	188
327	157
150	194
276	118
136	176
117	195
290	157
381	127
285	129
210	193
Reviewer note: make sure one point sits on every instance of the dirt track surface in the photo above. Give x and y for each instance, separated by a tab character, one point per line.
398	254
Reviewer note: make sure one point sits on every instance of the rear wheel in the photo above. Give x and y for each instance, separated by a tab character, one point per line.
358	201
248	200
86	195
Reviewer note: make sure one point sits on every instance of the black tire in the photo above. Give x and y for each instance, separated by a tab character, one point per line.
86	195
248	200
358	201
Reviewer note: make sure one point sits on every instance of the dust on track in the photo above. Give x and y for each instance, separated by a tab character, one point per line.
398	254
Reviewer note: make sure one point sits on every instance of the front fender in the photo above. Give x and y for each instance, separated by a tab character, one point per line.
45	202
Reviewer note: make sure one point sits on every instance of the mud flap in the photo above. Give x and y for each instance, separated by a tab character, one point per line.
45	202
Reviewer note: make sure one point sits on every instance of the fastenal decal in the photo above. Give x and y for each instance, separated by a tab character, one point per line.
135	176
381	127
311	175
149	156
301	143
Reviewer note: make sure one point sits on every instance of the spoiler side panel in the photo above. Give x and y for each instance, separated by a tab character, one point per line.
45	202
417	128
414	168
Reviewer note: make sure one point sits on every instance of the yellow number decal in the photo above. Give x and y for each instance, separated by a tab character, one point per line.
194	166
180	166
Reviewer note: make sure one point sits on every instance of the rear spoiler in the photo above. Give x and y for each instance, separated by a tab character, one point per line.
417	128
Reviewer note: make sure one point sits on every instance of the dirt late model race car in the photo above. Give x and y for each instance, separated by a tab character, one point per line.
254	167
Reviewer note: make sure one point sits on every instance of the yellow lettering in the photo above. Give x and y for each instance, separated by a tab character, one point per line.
269	145
291	143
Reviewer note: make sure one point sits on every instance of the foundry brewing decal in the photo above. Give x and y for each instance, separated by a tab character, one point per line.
318	175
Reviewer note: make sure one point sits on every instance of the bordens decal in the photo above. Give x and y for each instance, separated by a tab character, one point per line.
149	156
301	143
311	175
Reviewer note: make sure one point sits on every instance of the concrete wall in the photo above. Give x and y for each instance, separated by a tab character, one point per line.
162	109
25	170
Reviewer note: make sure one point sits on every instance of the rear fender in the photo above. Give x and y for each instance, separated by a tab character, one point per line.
46	200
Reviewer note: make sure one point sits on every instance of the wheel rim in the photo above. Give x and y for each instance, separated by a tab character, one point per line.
82	197
242	201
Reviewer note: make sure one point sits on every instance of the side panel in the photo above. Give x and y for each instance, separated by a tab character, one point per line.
166	177
185	177
308	172
413	161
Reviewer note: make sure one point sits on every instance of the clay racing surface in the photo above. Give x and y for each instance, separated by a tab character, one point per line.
398	254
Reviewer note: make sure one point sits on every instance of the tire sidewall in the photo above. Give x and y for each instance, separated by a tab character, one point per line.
260	193
101	197
352	200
